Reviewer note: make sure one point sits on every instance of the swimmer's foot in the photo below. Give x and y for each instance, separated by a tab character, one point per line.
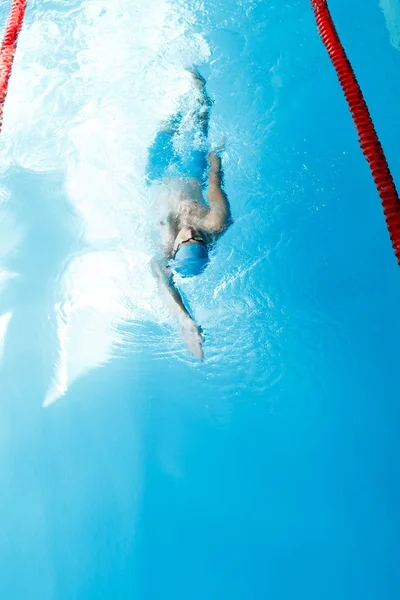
200	84
198	80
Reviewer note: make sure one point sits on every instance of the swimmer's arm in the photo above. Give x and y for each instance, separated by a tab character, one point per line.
169	292
189	331
218	216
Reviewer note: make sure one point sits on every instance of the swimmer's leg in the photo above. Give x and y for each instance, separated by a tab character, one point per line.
194	162
202	112
161	154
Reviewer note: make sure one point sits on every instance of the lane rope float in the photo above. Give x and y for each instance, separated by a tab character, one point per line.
8	48
367	135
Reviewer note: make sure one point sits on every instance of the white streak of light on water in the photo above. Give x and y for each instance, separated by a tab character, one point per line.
391	11
88	92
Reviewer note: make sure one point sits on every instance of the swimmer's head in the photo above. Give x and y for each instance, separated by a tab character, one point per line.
190	256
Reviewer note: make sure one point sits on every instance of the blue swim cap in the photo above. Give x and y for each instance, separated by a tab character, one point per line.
190	260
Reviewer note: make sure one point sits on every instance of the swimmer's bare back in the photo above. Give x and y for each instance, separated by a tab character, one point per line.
188	208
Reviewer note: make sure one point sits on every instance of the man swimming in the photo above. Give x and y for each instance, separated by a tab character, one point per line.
189	226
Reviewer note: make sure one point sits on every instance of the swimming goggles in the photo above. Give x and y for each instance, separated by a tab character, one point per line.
195	238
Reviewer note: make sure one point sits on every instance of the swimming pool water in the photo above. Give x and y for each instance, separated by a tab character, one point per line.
128	470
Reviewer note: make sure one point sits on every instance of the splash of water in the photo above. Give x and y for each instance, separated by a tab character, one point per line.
89	90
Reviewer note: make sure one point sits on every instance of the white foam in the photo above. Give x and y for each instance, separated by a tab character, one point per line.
92	116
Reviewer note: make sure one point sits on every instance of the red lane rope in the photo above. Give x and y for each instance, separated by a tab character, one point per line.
367	136
8	48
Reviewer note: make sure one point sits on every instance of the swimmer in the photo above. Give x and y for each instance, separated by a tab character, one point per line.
189	226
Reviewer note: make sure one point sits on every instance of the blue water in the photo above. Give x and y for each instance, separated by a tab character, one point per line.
128	470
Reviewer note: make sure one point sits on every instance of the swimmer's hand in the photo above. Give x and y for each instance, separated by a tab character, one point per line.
217	150
190	334
214	157
215	163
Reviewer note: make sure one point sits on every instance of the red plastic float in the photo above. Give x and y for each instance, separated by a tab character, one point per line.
8	47
367	136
